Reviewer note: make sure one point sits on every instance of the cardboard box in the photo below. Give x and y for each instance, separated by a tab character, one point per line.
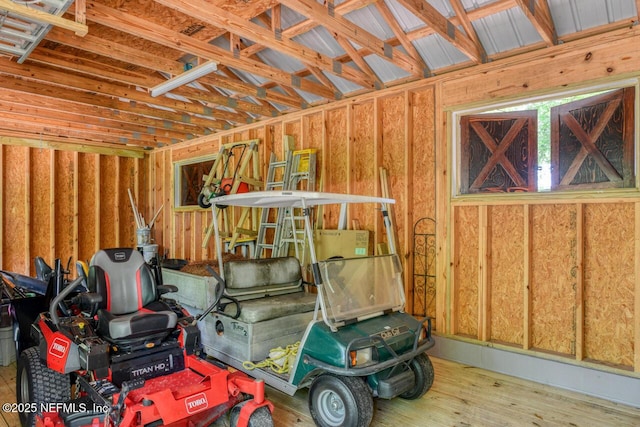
344	243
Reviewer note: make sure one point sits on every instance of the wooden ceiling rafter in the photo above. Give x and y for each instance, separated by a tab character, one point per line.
148	30
388	17
80	119
123	53
352	52
264	36
45	75
444	27
537	11
30	13
133	112
466	24
337	24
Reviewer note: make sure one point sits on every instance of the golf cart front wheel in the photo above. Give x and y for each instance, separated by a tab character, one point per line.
260	418
36	384
340	401
423	375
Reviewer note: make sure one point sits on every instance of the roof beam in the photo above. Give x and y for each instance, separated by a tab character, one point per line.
13	91
400	34
221	18
140	113
336	24
538	13
34	72
148	30
69	144
462	16
37	107
43	17
444	27
119	52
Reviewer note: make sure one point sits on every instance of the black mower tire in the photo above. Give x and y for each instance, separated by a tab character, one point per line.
203	201
260	418
337	401
423	373
37	384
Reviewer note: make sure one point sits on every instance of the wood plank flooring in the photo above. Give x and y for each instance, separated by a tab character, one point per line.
461	396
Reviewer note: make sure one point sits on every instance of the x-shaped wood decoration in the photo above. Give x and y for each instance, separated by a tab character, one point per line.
588	142
497	153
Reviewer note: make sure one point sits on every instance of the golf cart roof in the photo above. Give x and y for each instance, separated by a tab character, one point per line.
295	198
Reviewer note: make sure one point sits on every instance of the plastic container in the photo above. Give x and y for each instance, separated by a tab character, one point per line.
7	346
5	316
149	251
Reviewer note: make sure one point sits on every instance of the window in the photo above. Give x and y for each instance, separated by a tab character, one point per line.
578	142
188	180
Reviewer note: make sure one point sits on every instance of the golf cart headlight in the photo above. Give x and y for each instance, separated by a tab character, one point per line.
361	357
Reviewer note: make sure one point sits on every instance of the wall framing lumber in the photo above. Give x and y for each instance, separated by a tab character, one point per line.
636	305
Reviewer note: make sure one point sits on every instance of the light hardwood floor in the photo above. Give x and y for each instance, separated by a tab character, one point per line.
461	396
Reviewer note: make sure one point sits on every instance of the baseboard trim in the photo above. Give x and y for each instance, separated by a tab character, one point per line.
606	385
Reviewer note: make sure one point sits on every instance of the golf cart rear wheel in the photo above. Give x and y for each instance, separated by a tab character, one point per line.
260	418
340	401
423	374
36	384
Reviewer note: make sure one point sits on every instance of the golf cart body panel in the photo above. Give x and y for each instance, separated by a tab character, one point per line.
357	327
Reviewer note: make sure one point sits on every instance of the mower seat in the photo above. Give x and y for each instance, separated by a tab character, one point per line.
130	309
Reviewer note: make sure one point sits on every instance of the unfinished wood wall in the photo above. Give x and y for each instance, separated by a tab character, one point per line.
64	204
553	274
354	140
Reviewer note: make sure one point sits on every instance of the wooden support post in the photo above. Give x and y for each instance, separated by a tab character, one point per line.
636	347
526	327
484	266
579	260
453	313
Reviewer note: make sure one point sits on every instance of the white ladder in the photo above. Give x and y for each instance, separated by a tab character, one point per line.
292	230
272	184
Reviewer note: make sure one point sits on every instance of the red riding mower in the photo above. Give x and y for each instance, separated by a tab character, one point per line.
130	358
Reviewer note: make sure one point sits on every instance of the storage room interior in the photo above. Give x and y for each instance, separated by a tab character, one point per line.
531	285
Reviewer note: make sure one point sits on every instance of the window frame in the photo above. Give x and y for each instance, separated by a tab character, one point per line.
177	179
456	113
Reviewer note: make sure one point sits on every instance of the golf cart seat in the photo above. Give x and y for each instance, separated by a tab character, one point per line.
130	310
266	289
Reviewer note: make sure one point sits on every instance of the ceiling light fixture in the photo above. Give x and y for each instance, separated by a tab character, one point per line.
184	78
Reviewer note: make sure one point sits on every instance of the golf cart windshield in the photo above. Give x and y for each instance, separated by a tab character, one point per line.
348	289
358	288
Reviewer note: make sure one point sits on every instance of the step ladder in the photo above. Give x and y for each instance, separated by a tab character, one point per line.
292	230
298	173
278	175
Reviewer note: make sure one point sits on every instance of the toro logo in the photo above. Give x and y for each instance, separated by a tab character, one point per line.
59	348
196	403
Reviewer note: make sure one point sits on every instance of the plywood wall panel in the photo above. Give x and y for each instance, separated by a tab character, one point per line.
466	271
392	112
40	185
422	183
507	273
88	191
553	278
108	199
609	282
336	178
128	176
363	165
15	212
65	239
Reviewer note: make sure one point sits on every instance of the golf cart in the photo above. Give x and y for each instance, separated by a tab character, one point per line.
130	358
356	342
